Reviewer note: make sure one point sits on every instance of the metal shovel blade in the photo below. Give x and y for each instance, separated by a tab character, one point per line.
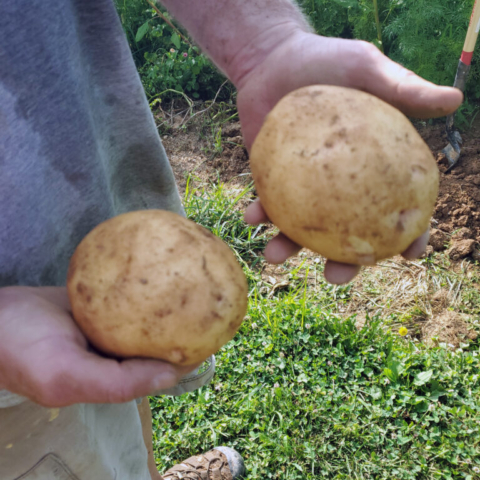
452	150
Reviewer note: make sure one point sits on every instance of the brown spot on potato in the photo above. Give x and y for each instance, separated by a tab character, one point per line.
314	228
143	281
162	312
334	120
328	144
418	169
184	299
206	233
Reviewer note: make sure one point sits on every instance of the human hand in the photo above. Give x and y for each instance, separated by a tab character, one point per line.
304	59
45	357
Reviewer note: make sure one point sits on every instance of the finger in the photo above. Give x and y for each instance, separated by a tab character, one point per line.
417	248
255	214
84	377
279	249
406	91
340	273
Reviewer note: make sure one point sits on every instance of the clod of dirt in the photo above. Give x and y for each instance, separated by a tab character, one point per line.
428	251
461	249
463	234
440	300
448	327
438	239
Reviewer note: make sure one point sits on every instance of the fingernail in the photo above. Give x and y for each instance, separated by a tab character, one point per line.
165	380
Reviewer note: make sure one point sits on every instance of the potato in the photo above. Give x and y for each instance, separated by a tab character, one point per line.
154	284
344	174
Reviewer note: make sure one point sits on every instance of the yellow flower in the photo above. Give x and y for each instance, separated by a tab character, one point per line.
403	331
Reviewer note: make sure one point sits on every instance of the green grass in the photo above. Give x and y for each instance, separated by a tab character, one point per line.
303	394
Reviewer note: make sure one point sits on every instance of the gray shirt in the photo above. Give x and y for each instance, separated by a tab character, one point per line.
78	143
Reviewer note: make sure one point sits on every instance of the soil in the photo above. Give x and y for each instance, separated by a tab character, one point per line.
192	152
458	205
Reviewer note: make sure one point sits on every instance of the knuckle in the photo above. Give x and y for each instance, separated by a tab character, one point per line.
369	51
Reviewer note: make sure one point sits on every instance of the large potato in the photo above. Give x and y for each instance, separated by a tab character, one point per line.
345	174
154	284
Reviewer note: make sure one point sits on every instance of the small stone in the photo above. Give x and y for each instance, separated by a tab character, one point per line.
461	249
438	239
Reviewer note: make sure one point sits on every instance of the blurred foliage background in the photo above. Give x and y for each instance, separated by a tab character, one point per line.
425	36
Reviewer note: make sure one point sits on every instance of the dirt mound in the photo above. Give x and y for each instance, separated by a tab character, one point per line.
458	205
447	327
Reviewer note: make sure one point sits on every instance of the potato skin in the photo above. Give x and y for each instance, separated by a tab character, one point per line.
154	284
344	174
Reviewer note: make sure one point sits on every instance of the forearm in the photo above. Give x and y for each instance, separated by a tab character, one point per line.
238	34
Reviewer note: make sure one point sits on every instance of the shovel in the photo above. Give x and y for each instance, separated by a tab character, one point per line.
452	150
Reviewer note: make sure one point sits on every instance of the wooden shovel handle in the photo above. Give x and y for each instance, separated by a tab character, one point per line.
472	34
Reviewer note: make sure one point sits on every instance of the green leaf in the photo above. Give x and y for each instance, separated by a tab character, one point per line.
141	31
423	377
175	40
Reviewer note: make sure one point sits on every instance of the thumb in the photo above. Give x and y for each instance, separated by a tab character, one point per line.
85	377
403	89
